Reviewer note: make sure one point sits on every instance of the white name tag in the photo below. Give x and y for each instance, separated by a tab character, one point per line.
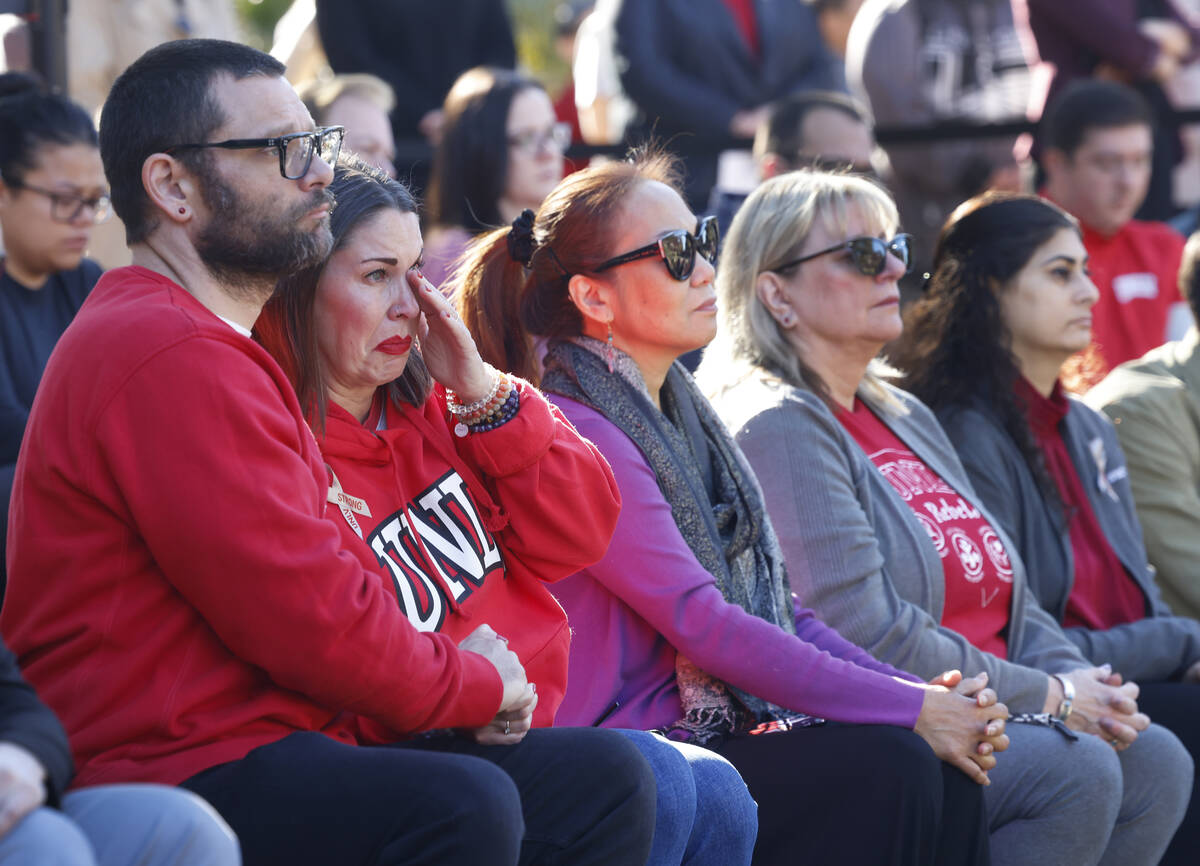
1129	287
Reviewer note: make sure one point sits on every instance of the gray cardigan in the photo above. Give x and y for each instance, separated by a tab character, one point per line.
857	554
1155	649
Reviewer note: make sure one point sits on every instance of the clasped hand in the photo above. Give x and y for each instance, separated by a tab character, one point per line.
1106	706
963	722
22	785
515	716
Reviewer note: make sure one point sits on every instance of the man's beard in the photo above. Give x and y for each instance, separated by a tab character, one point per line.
249	246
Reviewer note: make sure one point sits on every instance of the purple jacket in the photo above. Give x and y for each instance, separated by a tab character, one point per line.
649	597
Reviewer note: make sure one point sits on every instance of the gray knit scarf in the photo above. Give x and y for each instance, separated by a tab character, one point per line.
715	500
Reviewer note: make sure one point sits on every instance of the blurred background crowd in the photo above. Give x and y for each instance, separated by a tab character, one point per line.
698	76
482	107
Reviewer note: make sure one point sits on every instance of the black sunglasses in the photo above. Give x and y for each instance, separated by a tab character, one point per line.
295	150
867	254
677	249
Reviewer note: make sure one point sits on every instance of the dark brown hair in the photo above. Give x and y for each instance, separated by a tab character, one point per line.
504	302
956	346
287	326
470	165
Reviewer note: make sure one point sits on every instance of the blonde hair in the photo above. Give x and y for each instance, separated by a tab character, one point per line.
770	229
320	94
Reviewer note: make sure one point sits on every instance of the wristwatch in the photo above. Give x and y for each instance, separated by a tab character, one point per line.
1064	708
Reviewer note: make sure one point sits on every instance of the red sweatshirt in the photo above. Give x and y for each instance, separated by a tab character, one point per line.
469	530
1136	271
175	592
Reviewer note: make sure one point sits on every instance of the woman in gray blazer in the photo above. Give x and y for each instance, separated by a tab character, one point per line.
1010	284
886	538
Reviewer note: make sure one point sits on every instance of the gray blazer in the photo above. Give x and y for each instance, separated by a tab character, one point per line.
1155	649
857	554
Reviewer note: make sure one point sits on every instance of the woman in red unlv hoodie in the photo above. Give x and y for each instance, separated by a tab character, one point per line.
469	510
469	513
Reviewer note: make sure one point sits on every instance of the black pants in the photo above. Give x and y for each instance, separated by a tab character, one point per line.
563	795
851	794
1176	706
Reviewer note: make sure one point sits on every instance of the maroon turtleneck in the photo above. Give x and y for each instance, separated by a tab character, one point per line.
1103	594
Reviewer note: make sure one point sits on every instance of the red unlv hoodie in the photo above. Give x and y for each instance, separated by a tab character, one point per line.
469	530
175	593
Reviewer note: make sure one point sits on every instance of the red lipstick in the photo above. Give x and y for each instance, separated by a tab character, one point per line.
395	346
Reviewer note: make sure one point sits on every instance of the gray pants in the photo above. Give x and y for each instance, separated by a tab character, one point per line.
122	825
1053	800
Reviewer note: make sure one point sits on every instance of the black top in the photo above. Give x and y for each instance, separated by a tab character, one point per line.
28	722
419	47
31	321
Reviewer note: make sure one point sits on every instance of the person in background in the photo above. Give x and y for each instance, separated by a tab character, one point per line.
176	593
835	18
688	624
105	825
703	72
52	193
501	152
1008	303
105	36
1097	141
603	108
474	517
1141	43
922	62
361	103
887	539
568	16
419	48
821	129
1154	404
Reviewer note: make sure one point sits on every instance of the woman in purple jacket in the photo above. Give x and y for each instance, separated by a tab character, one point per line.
687	624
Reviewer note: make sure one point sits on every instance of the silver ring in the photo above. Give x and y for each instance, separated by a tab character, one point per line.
1114	742
506	730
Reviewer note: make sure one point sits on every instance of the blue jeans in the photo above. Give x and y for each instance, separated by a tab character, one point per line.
706	817
120	825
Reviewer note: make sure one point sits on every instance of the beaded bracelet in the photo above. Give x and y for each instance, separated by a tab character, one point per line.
493	406
507	412
458	409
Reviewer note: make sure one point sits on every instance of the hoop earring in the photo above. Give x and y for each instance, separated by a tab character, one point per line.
609	353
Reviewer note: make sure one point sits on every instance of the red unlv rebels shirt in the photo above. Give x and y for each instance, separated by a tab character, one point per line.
976	565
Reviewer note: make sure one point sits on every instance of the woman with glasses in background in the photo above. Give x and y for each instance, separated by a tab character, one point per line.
52	193
687	623
501	152
885	536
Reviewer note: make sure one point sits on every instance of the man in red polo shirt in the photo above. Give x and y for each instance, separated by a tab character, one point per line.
1097	158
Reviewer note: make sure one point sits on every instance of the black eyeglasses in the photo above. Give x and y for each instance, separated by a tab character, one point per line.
677	250
867	254
295	150
65	207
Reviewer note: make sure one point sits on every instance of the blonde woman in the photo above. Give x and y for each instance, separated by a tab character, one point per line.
886	539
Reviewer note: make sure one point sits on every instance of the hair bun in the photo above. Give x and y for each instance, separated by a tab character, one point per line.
520	238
